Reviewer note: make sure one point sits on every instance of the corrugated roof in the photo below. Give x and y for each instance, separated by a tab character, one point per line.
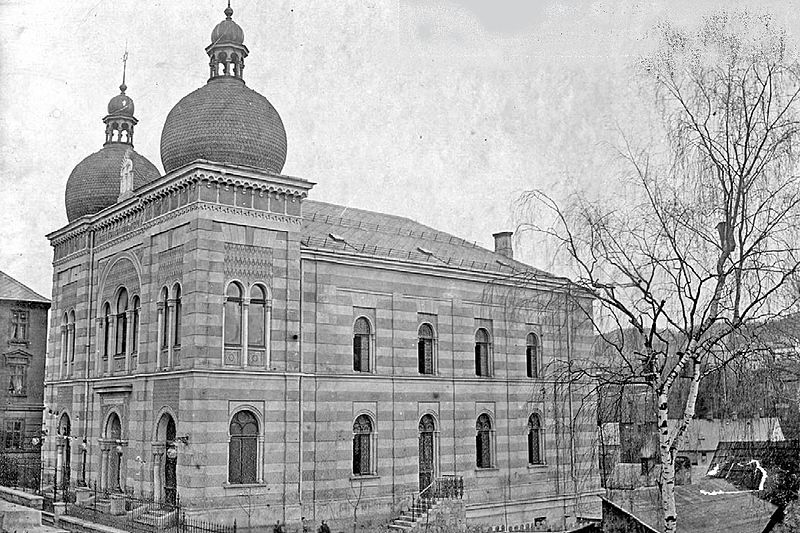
336	227
11	289
710	506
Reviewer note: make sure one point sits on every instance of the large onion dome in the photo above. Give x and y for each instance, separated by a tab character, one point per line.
227	122
97	181
224	121
94	183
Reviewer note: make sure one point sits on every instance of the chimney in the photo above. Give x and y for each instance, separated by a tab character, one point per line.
502	243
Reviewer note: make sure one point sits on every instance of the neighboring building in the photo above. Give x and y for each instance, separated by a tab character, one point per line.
703	436
23	330
253	351
709	506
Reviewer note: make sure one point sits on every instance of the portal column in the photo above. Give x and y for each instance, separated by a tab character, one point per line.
158	476
59	478
104	450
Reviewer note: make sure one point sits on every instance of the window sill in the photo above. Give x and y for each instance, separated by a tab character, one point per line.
243	485
537	466
486	472
364	477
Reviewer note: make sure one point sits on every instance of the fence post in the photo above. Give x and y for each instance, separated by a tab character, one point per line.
234	525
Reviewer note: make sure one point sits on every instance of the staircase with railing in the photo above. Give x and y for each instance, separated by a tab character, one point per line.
424	502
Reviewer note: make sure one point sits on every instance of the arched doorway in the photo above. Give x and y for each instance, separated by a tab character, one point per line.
63	452
113	433
165	461
427	452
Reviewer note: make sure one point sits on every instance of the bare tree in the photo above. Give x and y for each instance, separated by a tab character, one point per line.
354	499
698	249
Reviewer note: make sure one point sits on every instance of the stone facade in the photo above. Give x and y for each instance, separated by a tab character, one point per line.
191	231
23	338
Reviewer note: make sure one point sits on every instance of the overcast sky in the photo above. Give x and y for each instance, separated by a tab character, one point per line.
443	111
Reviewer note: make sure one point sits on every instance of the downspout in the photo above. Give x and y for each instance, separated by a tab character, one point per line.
85	454
453	376
568	310
300	400
507	488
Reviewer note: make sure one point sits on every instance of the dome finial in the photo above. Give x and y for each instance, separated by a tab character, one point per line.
123	87
227	50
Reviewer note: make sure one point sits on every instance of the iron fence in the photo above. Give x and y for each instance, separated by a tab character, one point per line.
191	525
139	514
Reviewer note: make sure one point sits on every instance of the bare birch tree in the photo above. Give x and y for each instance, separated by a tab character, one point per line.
699	249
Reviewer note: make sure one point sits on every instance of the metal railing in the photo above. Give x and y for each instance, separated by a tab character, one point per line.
447	487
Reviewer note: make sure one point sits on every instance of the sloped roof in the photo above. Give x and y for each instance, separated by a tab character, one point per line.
11	289
772	469
705	435
709	506
339	228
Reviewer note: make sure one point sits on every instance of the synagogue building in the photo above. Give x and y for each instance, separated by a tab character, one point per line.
219	336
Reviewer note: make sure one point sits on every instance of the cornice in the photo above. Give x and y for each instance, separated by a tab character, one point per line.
183	178
255	213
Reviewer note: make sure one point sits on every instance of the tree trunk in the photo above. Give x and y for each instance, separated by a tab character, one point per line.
667	480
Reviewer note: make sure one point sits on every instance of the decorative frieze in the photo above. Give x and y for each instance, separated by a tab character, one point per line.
170	264
248	263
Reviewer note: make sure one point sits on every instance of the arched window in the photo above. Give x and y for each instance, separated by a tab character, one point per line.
362	446
427	451
532	355
483	442
482	345
233	315
257	318
71	335
425	349
361	345
122	321
107	329
165	317
535	440
243	448
176	290
135	325
64	339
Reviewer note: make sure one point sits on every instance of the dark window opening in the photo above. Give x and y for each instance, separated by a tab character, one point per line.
362	436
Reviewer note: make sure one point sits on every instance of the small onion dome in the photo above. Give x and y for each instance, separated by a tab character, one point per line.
94	183
122	104
227	31
226	122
